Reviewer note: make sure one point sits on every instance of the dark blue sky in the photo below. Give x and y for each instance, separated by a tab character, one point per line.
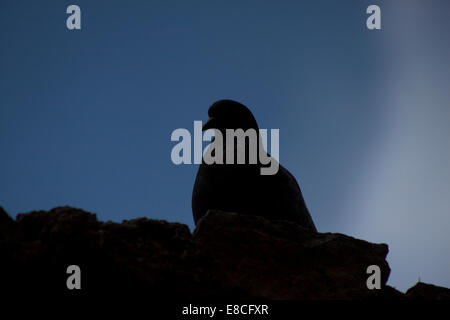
86	116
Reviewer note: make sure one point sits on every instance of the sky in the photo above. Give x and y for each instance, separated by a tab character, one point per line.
86	115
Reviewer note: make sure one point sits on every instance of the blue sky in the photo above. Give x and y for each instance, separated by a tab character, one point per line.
86	116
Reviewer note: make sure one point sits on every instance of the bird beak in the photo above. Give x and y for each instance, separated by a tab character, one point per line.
210	124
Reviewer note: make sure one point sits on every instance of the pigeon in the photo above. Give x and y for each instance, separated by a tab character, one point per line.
241	188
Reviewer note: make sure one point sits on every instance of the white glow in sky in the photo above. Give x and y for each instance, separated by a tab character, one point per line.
404	195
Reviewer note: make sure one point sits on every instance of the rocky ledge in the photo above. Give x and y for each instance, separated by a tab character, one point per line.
227	256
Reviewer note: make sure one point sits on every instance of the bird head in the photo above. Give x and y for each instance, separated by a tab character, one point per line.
229	114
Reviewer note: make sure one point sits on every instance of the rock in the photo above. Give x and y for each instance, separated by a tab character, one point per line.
229	256
281	260
7	225
425	291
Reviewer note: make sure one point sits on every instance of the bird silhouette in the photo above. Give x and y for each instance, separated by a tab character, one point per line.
241	188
